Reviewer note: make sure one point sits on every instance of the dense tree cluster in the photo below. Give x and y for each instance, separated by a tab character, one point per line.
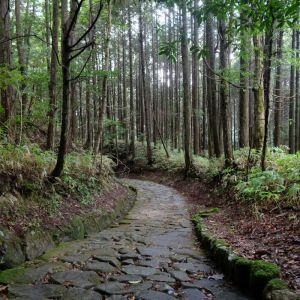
205	77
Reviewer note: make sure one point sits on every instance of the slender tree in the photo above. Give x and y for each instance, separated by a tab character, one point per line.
186	90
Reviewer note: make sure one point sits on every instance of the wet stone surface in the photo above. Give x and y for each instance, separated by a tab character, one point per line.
151	255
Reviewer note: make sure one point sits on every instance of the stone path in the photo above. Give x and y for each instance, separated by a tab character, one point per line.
151	255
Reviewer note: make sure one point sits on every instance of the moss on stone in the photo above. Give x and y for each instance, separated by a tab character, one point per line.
12	275
242	268
277	284
206	213
261	273
59	250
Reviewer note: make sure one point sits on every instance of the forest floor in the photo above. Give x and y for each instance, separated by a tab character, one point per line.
272	235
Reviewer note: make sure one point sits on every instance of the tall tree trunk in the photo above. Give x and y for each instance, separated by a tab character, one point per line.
21	52
258	92
89	127
244	91
102	107
53	76
186	90
268	54
292	99
195	88
147	105
65	61
297	95
131	99
277	92
211	90
224	95
5	61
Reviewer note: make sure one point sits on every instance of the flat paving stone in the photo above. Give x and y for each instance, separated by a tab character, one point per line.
155	295
102	267
41	291
127	278
112	288
83	279
74	293
138	270
161	278
109	259
193	294
180	275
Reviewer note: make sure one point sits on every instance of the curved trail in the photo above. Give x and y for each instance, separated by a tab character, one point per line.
152	254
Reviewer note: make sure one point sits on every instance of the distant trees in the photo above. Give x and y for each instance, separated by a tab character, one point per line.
202	78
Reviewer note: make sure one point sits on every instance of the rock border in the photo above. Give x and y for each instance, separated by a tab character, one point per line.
36	243
259	277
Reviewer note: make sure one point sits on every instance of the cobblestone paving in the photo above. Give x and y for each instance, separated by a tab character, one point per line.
151	255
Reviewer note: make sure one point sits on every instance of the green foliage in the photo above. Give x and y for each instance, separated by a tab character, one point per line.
279	183
9	77
169	50
277	284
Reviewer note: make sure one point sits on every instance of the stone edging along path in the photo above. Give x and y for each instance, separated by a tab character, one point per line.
36	242
262	278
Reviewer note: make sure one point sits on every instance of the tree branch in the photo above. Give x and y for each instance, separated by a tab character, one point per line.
90	27
81	50
74	18
35	36
82	69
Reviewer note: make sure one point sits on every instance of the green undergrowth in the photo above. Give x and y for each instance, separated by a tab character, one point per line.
278	185
25	191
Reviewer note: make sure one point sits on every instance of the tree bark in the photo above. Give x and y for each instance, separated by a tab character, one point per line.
131	97
65	60
224	95
195	88
258	92
244	91
147	105
21	52
277	92
186	90
215	148
292	99
103	100
53	76
5	61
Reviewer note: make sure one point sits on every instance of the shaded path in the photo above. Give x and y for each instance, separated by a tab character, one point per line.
151	255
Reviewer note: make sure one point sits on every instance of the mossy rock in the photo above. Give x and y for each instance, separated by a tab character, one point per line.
90	224
11	250
274	285
13	275
206	239
261	273
77	231
242	269
231	261
221	256
58	251
282	295
37	243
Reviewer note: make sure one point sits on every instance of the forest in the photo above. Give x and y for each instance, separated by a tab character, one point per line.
202	96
